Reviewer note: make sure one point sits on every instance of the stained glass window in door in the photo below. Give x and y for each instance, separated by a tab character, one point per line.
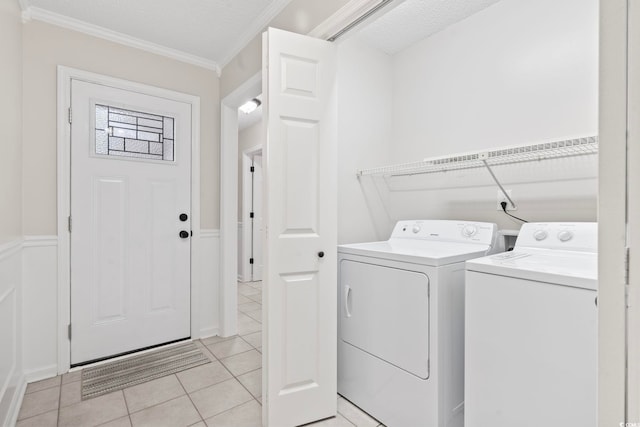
128	133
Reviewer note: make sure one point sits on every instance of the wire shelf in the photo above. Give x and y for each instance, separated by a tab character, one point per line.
499	156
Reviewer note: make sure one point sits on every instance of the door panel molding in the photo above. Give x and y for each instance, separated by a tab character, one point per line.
65	76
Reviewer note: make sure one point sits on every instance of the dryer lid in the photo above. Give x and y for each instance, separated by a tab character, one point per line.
431	242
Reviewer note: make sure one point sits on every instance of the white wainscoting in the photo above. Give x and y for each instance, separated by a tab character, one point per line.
29	317
12	382
40	307
209	283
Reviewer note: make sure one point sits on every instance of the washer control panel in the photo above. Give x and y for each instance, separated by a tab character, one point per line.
575	236
443	230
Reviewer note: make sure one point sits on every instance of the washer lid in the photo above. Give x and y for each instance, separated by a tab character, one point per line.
424	252
568	268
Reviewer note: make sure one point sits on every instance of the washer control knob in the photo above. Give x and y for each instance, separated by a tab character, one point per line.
565	235
469	230
540	235
416	229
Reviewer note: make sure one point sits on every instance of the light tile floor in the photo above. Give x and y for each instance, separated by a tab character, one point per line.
224	393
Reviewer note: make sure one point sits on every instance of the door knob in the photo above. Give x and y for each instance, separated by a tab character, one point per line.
184	234
320	254
183	217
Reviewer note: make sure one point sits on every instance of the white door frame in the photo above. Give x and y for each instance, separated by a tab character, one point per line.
612	206
247	198
633	206
65	75
229	201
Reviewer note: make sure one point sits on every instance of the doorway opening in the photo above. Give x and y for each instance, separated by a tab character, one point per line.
229	203
250	225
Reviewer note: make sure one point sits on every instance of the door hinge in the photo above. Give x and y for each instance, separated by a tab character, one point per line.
250	214
70	115
69	220
626	265
627	290
252	169
69	331
250	260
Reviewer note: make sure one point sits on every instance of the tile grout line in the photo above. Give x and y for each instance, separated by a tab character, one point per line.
222	339
191	400
254	347
235	337
255	398
238	354
232	408
37	415
240	382
126	404
233	377
46	388
206	348
59	402
152	406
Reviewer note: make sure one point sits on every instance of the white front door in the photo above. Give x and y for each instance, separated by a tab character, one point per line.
130	247
300	214
257	229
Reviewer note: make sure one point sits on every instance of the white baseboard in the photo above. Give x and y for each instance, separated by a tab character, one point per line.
41	373
209	332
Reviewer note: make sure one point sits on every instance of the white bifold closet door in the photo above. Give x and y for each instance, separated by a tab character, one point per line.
300	214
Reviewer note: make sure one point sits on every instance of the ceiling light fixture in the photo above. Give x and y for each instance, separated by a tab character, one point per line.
250	106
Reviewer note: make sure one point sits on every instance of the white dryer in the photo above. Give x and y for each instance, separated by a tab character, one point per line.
531	331
401	321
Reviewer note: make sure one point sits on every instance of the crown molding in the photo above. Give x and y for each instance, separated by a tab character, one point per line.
38	14
254	29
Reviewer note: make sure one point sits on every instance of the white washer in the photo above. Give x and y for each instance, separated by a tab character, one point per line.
531	330
401	321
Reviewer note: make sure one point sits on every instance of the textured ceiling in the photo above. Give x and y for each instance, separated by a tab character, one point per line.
414	20
210	29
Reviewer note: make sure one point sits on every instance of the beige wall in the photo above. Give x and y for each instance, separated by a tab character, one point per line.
247	138
300	16
10	121
46	47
